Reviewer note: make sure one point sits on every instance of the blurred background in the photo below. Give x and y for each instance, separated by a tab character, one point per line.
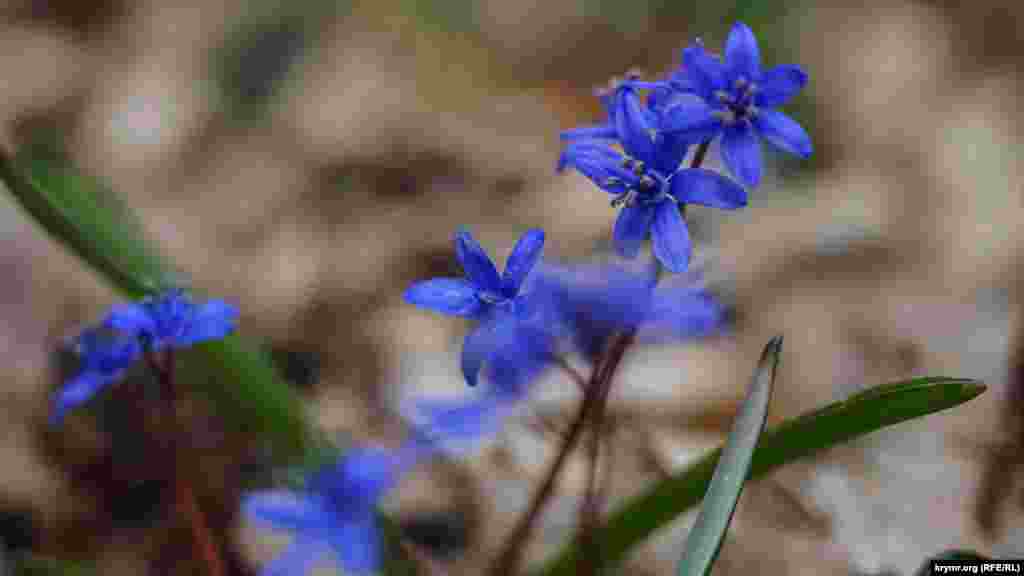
311	159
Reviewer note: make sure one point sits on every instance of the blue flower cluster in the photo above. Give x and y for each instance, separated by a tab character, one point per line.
532	314
637	155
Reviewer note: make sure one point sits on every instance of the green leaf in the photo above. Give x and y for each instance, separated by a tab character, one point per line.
793	439
81	214
706	537
90	221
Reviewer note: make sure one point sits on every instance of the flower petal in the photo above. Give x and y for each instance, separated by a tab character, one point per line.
631	228
524	256
457	425
357	545
599	131
284	510
779	84
476	263
706	73
741	53
670	238
297	559
636	132
212	320
692	117
76	392
707	188
476	350
741	152
134	319
451	296
783	132
682	315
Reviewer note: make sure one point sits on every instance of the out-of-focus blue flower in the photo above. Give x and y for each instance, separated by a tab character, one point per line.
519	351
108	350
337	513
172	320
482	295
646	178
736	98
104	355
585	305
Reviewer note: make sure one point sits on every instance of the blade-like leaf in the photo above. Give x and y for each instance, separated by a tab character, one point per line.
88	219
81	214
706	537
834	424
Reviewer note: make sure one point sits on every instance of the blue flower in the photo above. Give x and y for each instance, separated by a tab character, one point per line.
172	320
105	356
336	513
106	351
586	305
482	295
736	98
518	352
647	178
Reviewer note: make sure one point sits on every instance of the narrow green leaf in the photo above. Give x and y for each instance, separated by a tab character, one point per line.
706	537
791	440
90	221
81	214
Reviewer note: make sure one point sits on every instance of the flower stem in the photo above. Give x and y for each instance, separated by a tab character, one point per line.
595	397
185	504
510	558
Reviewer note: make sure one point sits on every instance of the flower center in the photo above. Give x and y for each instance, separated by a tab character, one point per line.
649	188
737	103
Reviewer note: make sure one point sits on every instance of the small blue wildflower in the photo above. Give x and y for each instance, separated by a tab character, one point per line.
336	513
106	351
519	352
105	356
648	179
736	98
586	305
172	320
483	295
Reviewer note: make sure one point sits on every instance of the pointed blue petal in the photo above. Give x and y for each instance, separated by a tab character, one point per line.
692	116
670	238
631	228
476	263
522	259
212	320
741	53
521	354
600	131
706	73
671	149
682	314
476	349
635	130
77	392
779	84
707	188
357	545
451	296
741	152
297	559
783	132
455	425
133	319
284	510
